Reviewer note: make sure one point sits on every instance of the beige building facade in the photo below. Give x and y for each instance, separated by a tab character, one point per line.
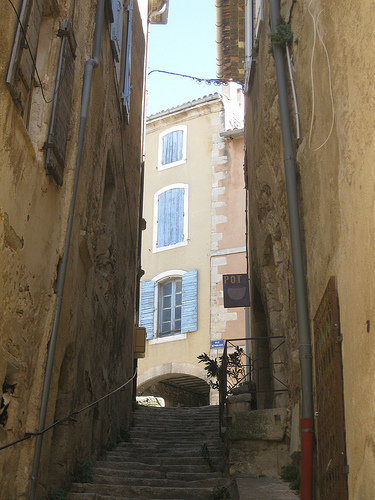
194	151
333	139
71	102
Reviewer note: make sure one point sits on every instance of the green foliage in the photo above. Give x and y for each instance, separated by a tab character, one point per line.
255	49
207	457
291	474
283	35
220	493
214	367
124	436
59	494
82	473
136	405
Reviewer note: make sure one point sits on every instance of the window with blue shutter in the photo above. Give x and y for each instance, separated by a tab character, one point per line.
116	29
189	321
172	147
177	305
20	75
147	307
170	305
125	97
171	217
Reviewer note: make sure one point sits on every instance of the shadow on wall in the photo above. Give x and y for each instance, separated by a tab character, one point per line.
178	390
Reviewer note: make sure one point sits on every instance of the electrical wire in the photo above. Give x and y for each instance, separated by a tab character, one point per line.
33	60
208	81
316	31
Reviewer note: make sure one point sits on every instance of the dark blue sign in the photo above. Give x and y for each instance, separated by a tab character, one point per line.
236	290
217	344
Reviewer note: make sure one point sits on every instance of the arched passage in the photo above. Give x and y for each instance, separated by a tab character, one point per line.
179	384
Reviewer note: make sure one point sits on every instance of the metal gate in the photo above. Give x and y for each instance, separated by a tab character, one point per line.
331	447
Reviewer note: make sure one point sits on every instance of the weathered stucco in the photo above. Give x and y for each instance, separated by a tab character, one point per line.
216	231
94	351
333	72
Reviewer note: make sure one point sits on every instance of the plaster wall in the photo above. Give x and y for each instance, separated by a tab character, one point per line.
94	351
333	71
203	123
228	249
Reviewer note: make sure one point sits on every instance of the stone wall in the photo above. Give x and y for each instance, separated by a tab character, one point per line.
331	63
94	351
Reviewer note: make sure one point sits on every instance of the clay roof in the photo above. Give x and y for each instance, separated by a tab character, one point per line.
188	104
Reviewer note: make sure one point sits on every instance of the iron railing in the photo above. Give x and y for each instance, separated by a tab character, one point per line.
255	364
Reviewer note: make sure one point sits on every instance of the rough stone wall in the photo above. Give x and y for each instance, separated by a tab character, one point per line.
233	40
333	71
94	352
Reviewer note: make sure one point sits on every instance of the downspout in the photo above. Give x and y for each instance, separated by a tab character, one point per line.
305	352
219	39
86	88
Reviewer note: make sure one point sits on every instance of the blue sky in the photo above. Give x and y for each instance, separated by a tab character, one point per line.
186	44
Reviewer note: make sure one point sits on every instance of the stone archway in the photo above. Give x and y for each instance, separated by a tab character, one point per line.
179	384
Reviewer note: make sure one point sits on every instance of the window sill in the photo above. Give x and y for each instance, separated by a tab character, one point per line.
170	247
170	338
171	165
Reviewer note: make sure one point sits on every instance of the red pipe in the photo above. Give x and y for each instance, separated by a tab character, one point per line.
307	436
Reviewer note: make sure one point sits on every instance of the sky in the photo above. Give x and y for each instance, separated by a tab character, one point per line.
186	45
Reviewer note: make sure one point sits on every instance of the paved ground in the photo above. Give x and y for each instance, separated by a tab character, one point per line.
263	488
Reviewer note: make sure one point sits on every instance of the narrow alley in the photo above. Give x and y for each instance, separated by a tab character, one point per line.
170	453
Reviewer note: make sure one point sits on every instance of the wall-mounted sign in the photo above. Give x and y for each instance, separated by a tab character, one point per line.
217	344
236	290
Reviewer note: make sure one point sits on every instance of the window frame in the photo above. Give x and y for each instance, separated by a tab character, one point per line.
125	95
116	29
185	216
23	56
163	134
161	297
149	305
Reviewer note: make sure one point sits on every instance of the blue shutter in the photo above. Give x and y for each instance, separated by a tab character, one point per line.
189	302
172	147
127	82
170	217
147	307
116	28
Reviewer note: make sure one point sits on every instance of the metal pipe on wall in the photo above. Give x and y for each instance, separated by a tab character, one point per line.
86	88
305	351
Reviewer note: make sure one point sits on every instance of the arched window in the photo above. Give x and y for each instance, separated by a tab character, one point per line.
169	304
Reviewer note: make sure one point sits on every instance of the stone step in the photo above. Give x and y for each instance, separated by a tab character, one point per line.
163	459
152	466
127	492
163	447
145	455
166	461
204	482
197	474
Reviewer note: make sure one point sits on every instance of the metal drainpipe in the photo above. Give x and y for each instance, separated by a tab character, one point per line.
86	88
305	352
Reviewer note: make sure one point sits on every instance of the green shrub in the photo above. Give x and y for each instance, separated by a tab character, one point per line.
59	494
291	474
124	435
82	472
220	493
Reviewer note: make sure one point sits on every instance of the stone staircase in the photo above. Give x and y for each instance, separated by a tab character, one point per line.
174	453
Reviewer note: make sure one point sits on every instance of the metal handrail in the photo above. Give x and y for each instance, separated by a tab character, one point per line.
252	374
